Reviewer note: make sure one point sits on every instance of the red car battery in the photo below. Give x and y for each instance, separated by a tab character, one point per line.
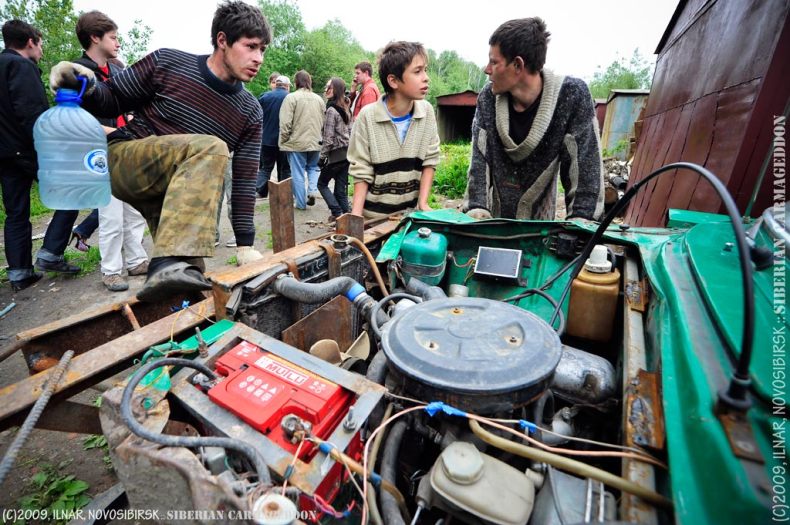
262	388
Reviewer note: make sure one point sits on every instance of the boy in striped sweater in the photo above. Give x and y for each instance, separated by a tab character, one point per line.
394	145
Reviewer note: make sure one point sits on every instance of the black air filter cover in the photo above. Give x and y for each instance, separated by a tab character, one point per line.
476	354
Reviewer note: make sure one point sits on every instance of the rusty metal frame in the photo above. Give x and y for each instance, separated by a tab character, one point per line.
306	476
632	508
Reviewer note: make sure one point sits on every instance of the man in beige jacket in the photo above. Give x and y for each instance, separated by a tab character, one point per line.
301	122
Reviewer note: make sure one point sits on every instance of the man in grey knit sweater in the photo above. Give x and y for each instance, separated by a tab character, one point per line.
530	127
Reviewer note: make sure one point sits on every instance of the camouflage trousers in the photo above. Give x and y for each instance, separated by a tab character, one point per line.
175	182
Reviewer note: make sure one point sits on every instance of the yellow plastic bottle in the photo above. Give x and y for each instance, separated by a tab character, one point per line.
594	298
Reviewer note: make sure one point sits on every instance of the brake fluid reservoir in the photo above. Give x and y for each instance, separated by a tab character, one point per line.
594	298
424	256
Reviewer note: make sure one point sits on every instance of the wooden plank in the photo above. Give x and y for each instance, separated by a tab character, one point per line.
89	366
229	276
281	211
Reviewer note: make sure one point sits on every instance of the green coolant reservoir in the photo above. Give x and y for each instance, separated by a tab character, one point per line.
424	256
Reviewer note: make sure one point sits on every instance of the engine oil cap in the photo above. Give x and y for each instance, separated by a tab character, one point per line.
461	463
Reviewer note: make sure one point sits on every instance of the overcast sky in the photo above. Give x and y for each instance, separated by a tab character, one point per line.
585	34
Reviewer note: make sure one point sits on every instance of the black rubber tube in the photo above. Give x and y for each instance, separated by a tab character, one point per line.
426	291
311	293
390	512
186	441
377	369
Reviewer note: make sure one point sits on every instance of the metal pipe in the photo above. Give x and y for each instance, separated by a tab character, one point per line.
581	377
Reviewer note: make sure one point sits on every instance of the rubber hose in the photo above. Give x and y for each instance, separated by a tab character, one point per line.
377	370
185	441
32	417
390	512
570	465
427	292
311	293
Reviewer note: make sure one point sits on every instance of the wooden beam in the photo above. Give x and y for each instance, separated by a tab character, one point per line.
281	211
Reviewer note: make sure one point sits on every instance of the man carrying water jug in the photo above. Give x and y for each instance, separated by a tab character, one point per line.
168	162
22	101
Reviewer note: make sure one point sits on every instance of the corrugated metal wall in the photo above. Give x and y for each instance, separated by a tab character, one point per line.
622	110
723	71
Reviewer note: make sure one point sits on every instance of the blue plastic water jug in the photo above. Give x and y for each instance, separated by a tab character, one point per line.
73	171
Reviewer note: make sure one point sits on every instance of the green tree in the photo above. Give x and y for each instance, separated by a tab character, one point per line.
56	20
331	51
634	73
284	54
134	44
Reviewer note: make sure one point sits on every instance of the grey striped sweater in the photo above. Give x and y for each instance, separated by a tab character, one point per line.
520	180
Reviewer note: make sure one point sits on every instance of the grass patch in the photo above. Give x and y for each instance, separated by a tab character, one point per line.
232	260
450	177
262	207
269	240
88	261
50	492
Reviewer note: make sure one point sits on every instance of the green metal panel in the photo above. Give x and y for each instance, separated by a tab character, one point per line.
688	218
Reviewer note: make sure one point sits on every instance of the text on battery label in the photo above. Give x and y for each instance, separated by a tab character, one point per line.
274	368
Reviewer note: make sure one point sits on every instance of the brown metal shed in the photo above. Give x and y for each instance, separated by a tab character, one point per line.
454	115
600	112
722	75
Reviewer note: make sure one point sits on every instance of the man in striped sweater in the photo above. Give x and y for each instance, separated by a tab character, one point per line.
531	128
168	162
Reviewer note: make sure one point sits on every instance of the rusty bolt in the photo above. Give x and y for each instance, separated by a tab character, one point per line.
513	339
457	310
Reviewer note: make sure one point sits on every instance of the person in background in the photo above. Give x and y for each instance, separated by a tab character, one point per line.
121	227
531	128
363	88
190	112
333	161
271	102
394	147
22	101
301	122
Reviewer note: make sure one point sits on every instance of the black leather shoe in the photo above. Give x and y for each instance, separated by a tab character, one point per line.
27	282
59	267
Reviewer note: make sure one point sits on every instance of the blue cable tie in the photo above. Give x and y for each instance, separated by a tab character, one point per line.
288	472
375	479
526	425
437	406
325	447
354	291
184	306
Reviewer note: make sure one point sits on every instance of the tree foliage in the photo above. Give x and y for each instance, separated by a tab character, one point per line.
332	51
56	19
634	73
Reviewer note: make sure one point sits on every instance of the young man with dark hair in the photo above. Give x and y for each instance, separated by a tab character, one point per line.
532	127
394	146
363	77
168	162
22	101
121	227
301	122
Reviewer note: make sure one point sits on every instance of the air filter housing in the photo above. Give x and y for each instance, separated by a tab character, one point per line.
476	354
